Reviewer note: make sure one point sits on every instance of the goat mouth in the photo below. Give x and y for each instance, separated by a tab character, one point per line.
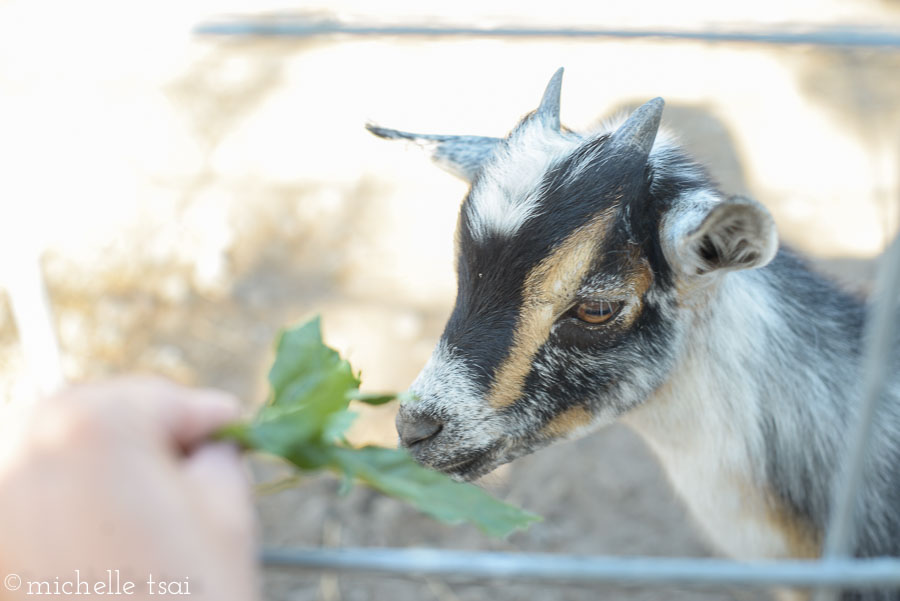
470	465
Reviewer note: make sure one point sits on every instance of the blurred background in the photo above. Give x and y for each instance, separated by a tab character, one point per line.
186	196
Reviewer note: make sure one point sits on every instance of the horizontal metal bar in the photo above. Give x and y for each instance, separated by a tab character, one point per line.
308	27
537	567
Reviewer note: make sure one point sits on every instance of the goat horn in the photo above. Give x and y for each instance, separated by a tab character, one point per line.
548	111
639	132
462	156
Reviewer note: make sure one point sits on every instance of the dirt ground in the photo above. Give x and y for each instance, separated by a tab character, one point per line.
261	201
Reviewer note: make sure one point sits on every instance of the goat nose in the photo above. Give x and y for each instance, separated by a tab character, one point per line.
416	428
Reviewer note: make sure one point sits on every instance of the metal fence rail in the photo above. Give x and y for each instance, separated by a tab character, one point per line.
300	26
545	567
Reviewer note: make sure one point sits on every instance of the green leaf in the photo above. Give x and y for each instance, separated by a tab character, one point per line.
336	425
287	433
395	473
308	373
305	421
270	488
370	398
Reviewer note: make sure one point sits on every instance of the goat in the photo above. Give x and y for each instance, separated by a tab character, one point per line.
604	277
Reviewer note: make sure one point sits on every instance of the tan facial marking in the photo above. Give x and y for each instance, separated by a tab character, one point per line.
567	421
549	289
637	282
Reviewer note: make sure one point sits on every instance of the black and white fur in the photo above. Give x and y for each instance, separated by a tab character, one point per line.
737	363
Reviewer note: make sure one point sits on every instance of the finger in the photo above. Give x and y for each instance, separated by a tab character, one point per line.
215	473
195	414
181	416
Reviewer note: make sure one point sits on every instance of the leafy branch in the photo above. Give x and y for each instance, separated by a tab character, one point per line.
305	420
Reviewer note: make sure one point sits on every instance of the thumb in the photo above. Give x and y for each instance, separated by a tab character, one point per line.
221	489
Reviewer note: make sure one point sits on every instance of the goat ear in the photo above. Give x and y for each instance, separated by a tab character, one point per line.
462	156
738	233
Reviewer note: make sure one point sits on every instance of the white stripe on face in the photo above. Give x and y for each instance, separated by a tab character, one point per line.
507	193
445	387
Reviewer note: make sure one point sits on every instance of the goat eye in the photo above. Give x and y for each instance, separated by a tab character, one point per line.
595	312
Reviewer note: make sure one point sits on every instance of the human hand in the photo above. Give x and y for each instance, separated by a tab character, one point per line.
121	477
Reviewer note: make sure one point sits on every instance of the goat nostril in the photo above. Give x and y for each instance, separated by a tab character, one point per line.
415	429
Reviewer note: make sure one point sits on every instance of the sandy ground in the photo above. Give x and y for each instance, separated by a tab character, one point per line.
196	198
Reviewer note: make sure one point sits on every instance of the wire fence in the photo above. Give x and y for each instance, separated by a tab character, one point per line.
833	571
